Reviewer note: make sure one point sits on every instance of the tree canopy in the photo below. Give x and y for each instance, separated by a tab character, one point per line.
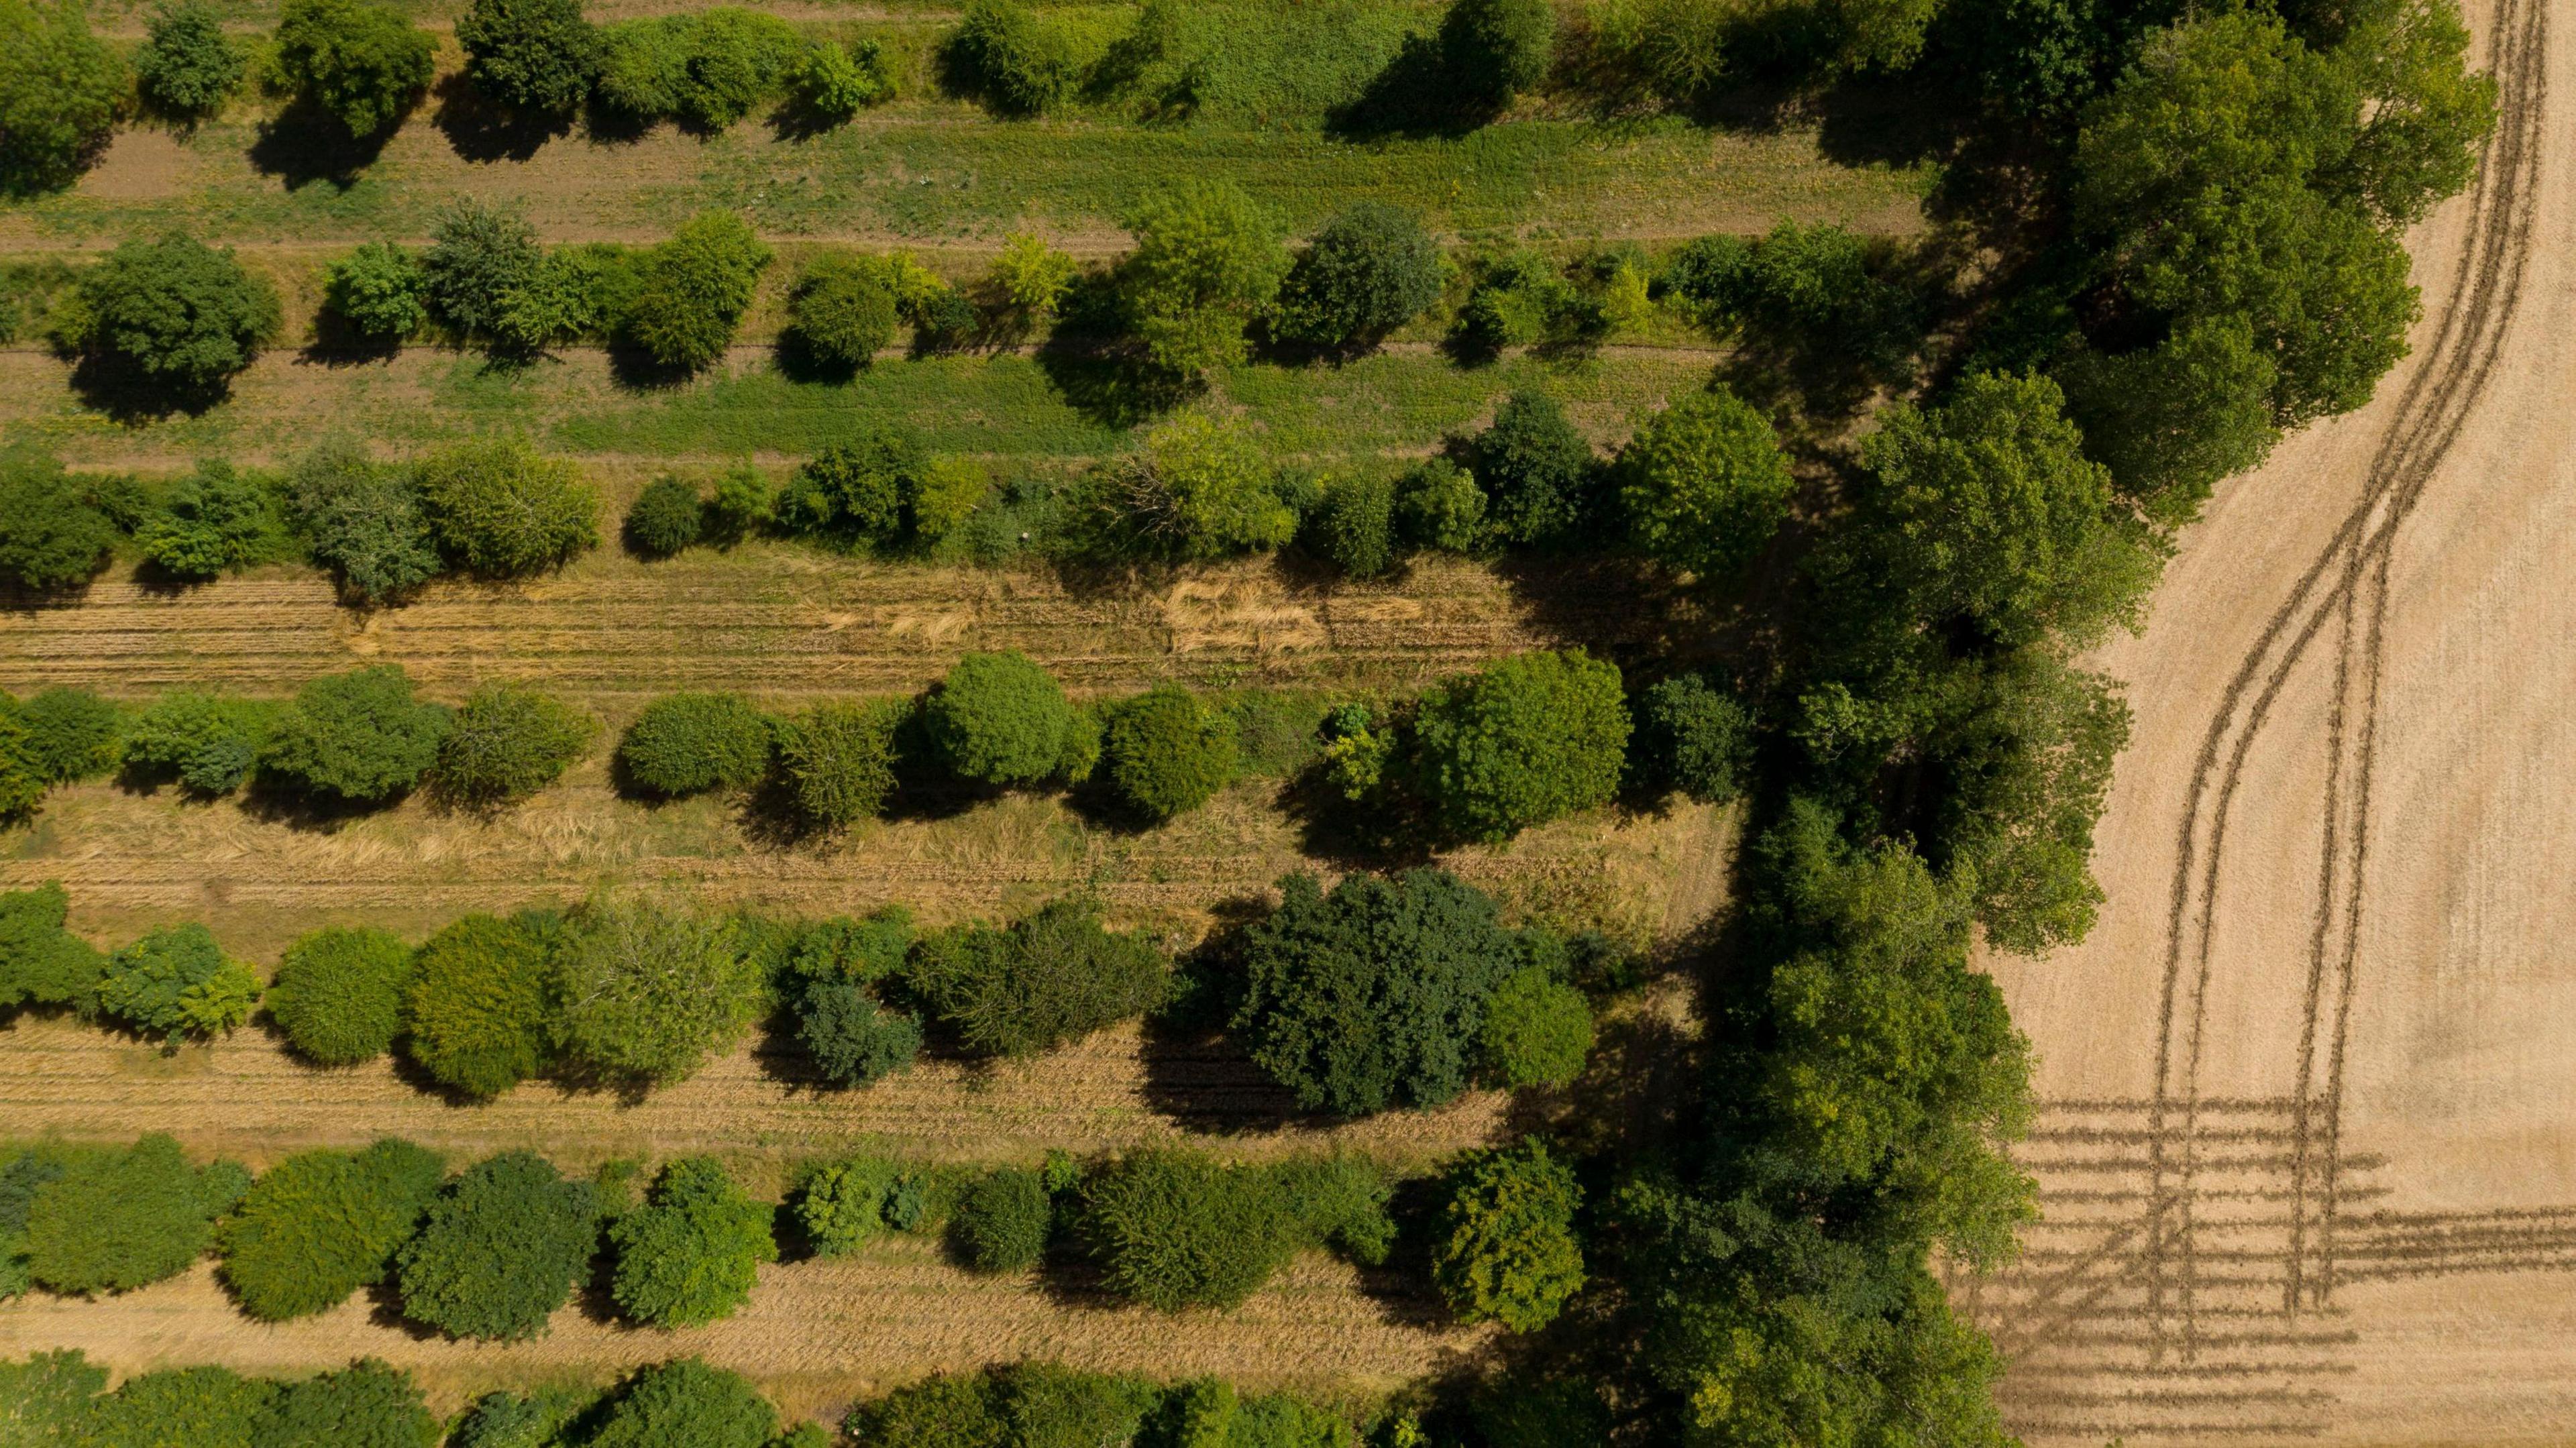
499	1250
686	1257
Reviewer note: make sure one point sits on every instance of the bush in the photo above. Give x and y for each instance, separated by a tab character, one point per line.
367	1404
1533	737
1814	291
363	64
175	312
650	991
1507	1251
853	1039
1537	471
499	510
1704	484
836	84
1207	261
665	518
478	257
206	743
1055	977
1002	1221
380	290
41	963
687	1404
364	521
201	1407
1018	60
52	534
1354	527
1495	49
117	1220
1174	1230
359	737
693	289
507	1420
1198	489
186	67
948	492
740	505
322	1224
1695	739
177	981
1167	752
843	310
1032	1403
499	1251
72	733
339	993
1523	298
684	744
539	55
853	492
1538	1030
1030	278
480	1015
213	521
999	718
506	743
839	762
1369	271
687	1256
841	1206
59	90
22	779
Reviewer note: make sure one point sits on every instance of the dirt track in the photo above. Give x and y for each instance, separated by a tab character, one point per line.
2311	1140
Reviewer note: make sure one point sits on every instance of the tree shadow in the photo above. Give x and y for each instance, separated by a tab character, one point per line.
129	395
304	144
1418	95
337	343
481	130
1109	380
273	801
1197	1074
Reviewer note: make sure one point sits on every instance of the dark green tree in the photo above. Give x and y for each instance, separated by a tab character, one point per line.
1537	471
853	1038
211	522
2173	420
380	290
116	1220
41	963
59	92
687	1256
322	1224
1052	978
1174	1230
1694	738
478	257
650	990
692	290
499	509
999	719
505	743
1018	60
1492	50
684	744
72	733
838	760
339	992
1538	1031
362	64
539	55
1354	525
364	521
844	310
665	518
1002	1221
359	737
1369	271
499	1251
187	67
853	492
1207	260
367	1404
176	981
52	533
686	1404
175	313
207	744
202	1407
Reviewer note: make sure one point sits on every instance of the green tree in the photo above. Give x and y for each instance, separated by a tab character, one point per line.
113	1221
1508	1251
853	492
540	55
1704	484
1493	50
59	91
665	518
684	744
208	744
836	83
1369	271
2172	420
22	778
45	1398
1030	278
1167	752
367	1404
1018	60
853	1038
844	309
841	1205
201	1407
839	762
362	64
176	981
1049	979
1198	489
1538	1030
322	1224
2427	112
339	993
478	256
480	1015
187	67
52	533
506	743
499	1251
998	718
380	290
1694	738
211	522
687	1256
364	521
1354	525
359	737
1002	1221
72	733
507	1420
1174	1230
1537	470
650	990
174	312
41	963
500	510
1207	260
693	289
686	1404
1531	738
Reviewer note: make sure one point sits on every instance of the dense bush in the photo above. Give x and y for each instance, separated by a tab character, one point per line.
853	1038
22	779
52	533
367	1404
999	718
478	257
1369	271
1054	977
500	510
649	990
1353	526
480	1014
706	69
833	83
358	737
1493	50
72	733
116	1220
363	521
1538	1030
176	981
499	1251
1174	1230
1025	1403
686	1404
505	743
1818	292
693	289
59	90
1523	298
665	518
380	290
844	309
1167	752
1537	471
2171	421
362	64
841	1205
1533	737
1198	489
211	522
508	1420
173	312
41	963
339	993
1207	260
322	1224
1693	738
838	760
1704	484
208	744
203	1407
687	1256
684	744
186	67
1002	1220
1508	1252
540	55
1015	58
854	492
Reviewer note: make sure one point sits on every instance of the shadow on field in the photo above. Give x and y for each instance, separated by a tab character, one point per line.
304	144
481	129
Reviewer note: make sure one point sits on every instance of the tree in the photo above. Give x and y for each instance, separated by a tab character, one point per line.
539	55
22	779
211	522
684	744
854	491
319	1225
1167	752
1002	1221
1538	1030
1372	996
841	1205
207	743
839	762
506	743
380	290
1354	525
999	719
480	1016
202	1407
59	89
843	309
687	1256
41	963
649	991
367	1404
1369	271
186	67
2171	421
1693	738
339	993
1016	59
834	83
478	256
1537	471
72	733
686	1404
358	737
1174	1230
499	1251
851	1036
113	1221
52	534
1533	737
1493	50
693	289
499	510
1207	260
362	64
1199	489
176	981
1031	278
948	492
2427	111
1507	1251
173	312
364	522
1052	978
1704	484
507	1420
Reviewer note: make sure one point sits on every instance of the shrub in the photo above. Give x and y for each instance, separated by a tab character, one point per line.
49	1395
853	492
1523	298
685	744
1033	1403
1167	752
843	310
740	505
499	1251
1198	489
1538	1030
201	1407
72	733
734	57
1016	59
1055	977
364	521
22	779
1695	739
693	289
52	534
177	981
836	84
1030	278
506	743
998	718
665	518
507	1420
175	312
186	67
649	991
841	1206
1536	470
947	493
367	1404
687	1256
478	256
687	1404
1002	1221
479	1017
1207	261
207	743
1175	1230
1704	484
213	521
839	762
1495	49
1354	527
322	1224
339	993
539	55
1369	271
380	290
573	292
41	963
1813	290
499	510
363	64
359	737
59	90
1507	1251
852	1038
117	1220
1533	737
